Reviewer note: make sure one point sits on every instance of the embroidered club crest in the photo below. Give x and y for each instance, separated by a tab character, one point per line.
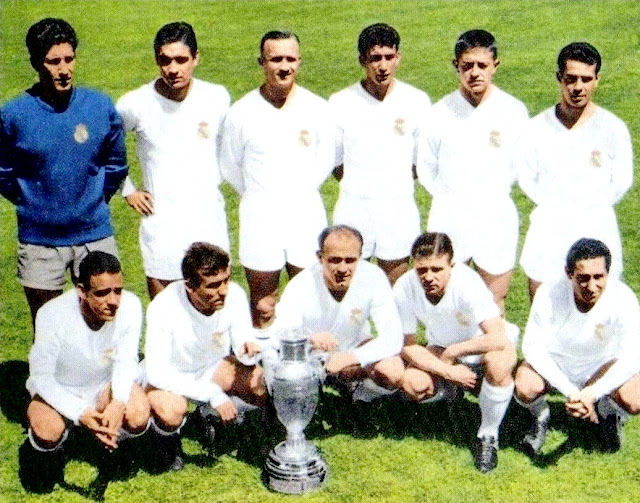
462	319
107	357
81	134
217	339
596	159
357	318
495	140
600	331
400	127
305	138
203	130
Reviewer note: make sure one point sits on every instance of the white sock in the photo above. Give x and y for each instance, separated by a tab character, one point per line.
494	401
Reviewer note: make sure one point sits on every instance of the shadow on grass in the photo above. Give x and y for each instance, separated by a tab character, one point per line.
14	397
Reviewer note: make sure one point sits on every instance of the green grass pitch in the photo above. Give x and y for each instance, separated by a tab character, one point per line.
412	454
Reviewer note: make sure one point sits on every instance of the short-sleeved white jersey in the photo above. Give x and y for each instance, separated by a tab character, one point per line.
567	347
466	303
70	364
307	304
377	140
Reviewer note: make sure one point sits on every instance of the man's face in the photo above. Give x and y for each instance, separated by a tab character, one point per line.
589	279
381	64
210	295
100	301
434	273
56	71
476	68
339	258
176	64
577	83
280	61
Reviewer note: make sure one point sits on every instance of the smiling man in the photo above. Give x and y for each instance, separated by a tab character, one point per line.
192	328
335	300
464	161
277	149
583	339
62	157
466	338
378	121
177	120
575	159
82	369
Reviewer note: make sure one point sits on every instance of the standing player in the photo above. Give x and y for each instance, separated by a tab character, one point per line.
277	149
464	161
464	327
575	159
192	327
376	152
177	120
333	301
583	339
82	369
62	157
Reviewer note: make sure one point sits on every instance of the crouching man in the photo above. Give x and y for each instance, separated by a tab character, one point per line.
334	301
583	339
192	326
466	336
82	369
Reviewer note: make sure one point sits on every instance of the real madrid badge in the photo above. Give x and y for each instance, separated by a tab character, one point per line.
462	319
596	159
305	138
81	134
356	316
600	331
203	130
495	140
216	339
400	127
107	357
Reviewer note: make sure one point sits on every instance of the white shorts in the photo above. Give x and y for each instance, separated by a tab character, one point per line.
166	236
389	226
552	232
274	232
483	230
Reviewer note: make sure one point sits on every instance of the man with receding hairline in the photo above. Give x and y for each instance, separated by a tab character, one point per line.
277	149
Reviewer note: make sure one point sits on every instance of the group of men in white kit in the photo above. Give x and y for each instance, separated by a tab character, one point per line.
276	146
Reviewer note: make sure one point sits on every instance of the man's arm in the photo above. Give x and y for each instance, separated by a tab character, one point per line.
113	157
622	169
232	154
493	338
9	187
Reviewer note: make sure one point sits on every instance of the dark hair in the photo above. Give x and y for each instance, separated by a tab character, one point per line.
176	32
203	259
338	228
586	248
475	38
277	35
46	33
579	51
95	263
377	34
430	244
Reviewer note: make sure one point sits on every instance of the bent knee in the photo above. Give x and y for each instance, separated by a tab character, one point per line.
47	425
170	412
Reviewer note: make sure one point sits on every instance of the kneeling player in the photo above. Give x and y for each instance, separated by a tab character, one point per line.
466	336
82	369
583	339
192	325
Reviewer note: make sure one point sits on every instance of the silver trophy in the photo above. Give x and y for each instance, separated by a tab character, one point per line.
294	466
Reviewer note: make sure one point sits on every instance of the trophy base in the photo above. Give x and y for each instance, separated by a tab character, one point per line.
295	472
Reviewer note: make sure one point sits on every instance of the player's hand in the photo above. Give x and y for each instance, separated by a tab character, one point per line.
113	416
463	375
141	201
227	411
582	405
250	349
94	422
339	361
323	341
448	356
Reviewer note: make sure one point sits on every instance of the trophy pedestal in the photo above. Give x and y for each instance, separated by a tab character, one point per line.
295	470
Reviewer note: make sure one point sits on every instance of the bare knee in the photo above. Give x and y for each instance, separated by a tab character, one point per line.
417	384
389	372
169	408
499	365
529	384
137	412
45	422
628	395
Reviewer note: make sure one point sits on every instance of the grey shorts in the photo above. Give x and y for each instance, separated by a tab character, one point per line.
45	267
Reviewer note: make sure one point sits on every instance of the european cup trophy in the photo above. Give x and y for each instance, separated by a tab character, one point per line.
294	466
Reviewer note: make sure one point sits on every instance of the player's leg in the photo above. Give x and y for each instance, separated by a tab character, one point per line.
417	384
533	287
263	294
388	373
530	392
137	412
245	382
155	286
47	425
498	284
495	394
169	412
394	268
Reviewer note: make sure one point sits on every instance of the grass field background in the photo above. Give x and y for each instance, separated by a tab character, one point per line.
412	454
